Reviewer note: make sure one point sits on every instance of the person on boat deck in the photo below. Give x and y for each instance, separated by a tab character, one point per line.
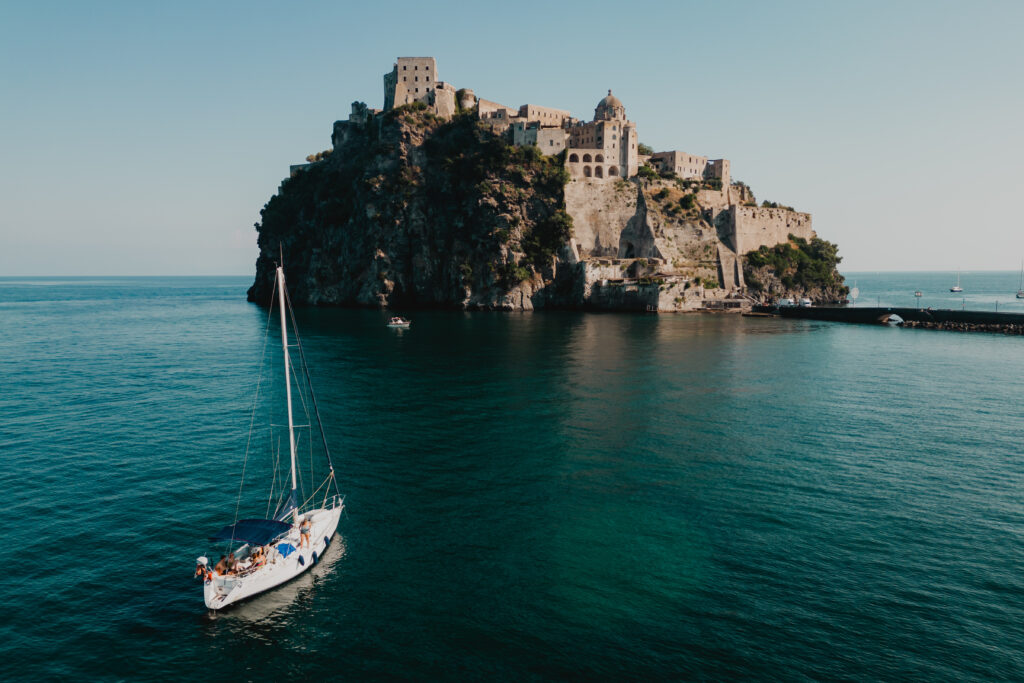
221	568
304	530
232	563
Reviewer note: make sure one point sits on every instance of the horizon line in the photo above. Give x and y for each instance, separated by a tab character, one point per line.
962	271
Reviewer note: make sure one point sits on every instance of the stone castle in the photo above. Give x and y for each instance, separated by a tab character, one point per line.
606	147
614	226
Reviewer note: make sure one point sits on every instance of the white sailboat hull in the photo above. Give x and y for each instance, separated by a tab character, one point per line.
222	591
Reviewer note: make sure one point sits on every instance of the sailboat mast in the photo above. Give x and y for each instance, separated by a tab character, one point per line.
287	382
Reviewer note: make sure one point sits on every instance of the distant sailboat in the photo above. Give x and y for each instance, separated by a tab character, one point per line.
957	287
1020	290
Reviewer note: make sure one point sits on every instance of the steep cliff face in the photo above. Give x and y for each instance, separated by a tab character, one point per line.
414	211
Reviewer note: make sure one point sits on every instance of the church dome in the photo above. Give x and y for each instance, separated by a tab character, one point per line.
610	101
610	108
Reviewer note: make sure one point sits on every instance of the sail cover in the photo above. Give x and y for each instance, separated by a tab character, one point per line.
254	531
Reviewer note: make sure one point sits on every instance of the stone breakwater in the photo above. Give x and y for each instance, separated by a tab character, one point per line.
932	319
1002	328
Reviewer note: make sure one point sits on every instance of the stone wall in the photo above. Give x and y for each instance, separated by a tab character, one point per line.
754	227
635	285
496	116
718	200
686	166
548	140
444	100
546	116
719	168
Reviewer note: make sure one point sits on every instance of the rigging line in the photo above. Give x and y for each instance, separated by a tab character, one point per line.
277	467
300	389
326	493
277	464
309	382
313	495
255	401
311	479
298	470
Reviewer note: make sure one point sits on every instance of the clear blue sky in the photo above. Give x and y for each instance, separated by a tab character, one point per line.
143	138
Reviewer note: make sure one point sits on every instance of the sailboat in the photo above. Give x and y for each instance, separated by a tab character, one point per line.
1020	290
267	552
957	287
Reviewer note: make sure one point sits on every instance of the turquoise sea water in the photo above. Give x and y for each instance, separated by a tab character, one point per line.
530	496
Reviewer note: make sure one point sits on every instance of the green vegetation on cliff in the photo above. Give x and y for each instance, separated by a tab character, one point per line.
476	163
416	210
797	267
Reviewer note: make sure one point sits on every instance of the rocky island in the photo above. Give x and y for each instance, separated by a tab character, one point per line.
445	199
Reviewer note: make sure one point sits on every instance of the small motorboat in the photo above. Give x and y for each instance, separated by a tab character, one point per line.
806	303
399	321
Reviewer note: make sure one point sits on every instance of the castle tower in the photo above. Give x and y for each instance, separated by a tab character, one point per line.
607	146
413	79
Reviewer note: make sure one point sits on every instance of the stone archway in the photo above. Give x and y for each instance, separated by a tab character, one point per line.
587	159
586	171
599	171
574	158
599	158
613	171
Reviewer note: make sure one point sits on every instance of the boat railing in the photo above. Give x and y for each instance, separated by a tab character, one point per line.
327	503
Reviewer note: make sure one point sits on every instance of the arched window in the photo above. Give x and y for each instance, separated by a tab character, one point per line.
587	159
586	171
599	171
599	158
574	158
613	171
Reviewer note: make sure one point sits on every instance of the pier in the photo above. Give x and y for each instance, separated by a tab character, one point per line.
943	319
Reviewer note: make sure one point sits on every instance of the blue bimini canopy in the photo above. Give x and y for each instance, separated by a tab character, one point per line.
254	531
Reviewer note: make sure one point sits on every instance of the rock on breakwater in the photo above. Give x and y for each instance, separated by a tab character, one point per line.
1004	328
